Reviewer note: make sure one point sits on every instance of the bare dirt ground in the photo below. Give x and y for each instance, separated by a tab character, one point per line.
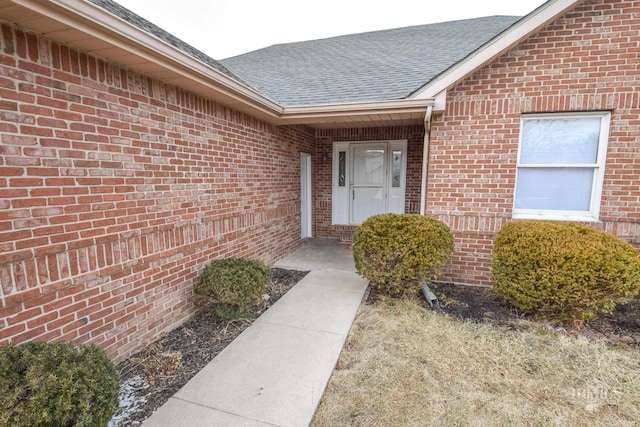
149	378
481	304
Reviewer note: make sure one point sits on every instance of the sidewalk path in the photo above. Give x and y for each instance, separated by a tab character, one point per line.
275	372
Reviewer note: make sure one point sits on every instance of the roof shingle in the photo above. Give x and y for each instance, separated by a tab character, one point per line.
149	27
366	67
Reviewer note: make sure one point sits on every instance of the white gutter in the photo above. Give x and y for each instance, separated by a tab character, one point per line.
361	106
357	108
425	159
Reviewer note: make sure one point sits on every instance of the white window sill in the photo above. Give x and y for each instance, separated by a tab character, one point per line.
549	216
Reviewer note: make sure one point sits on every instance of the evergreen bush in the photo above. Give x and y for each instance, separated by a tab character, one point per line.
562	270
57	384
231	286
397	251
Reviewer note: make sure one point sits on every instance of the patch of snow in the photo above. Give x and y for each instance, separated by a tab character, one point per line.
131	399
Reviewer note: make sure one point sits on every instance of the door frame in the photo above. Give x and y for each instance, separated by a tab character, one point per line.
341	178
306	218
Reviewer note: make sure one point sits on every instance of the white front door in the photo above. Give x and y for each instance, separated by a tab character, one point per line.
368	179
305	195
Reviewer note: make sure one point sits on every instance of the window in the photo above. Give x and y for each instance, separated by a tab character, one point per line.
396	168
561	166
342	168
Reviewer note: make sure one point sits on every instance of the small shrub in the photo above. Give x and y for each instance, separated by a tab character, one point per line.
231	286
563	271
395	252
56	384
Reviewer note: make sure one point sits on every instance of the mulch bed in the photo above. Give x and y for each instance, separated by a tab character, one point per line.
481	304
149	378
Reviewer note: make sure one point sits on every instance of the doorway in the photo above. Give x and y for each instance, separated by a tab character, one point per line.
368	179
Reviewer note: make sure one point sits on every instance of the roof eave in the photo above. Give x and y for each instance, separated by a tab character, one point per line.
359	114
509	38
98	32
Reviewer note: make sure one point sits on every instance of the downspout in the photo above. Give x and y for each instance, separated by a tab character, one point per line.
425	158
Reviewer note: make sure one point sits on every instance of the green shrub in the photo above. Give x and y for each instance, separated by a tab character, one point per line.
231	286
562	270
395	252
56	384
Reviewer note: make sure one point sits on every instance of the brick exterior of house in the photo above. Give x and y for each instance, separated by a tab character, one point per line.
116	190
414	135
587	60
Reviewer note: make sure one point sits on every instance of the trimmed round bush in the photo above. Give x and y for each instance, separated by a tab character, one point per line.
57	384
396	252
563	271
231	286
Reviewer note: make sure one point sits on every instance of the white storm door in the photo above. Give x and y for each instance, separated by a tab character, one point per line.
368	181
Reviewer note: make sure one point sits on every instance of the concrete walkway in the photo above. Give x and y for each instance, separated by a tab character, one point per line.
275	372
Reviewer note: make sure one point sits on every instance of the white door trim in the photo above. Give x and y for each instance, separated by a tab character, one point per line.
305	196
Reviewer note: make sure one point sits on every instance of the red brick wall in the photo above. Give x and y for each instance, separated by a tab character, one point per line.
322	171
116	190
587	60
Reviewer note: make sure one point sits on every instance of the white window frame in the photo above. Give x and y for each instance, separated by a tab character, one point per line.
593	214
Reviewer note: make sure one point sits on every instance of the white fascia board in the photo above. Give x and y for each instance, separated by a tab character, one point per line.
381	107
97	22
522	29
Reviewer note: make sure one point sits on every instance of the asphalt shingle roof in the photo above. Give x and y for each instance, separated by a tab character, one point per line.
149	27
373	66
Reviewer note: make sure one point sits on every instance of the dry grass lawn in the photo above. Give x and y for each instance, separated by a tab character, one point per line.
404	365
